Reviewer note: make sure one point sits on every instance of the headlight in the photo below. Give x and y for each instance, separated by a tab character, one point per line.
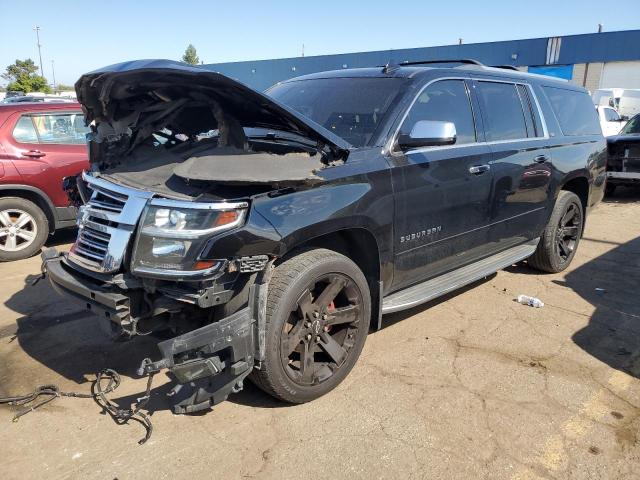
173	233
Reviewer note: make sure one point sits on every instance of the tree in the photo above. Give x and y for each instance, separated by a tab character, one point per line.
61	87
190	56
23	77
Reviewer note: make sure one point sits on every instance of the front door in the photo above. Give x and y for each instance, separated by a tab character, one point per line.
441	193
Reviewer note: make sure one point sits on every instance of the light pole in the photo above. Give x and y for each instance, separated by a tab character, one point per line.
37	29
53	72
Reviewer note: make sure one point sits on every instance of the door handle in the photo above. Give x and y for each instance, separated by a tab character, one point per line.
33	154
479	169
541	159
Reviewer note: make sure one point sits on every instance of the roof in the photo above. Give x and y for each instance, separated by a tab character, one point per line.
39	106
417	71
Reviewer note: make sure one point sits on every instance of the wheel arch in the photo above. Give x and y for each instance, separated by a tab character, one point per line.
34	195
580	186
356	243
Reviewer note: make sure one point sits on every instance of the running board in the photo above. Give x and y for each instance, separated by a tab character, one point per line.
423	292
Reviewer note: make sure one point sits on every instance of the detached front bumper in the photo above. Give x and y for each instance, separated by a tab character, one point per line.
208	363
103	301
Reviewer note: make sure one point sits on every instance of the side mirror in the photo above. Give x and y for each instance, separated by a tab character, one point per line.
623	118
428	133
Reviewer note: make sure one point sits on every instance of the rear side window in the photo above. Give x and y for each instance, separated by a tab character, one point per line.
574	111
24	131
62	128
445	101
502	111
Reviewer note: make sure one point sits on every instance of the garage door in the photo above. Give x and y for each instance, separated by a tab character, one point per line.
621	74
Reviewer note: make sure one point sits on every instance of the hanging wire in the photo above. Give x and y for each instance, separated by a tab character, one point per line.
45	394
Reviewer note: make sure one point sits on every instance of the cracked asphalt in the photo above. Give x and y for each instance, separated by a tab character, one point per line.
473	385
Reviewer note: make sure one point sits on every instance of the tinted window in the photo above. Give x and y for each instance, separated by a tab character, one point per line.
574	111
446	101
611	115
632	127
502	111
352	108
65	128
24	132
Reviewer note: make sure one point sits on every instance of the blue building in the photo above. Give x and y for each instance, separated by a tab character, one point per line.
593	60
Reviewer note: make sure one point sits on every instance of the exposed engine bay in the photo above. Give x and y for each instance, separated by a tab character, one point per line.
187	134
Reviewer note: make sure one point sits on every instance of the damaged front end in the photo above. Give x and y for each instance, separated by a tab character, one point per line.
168	241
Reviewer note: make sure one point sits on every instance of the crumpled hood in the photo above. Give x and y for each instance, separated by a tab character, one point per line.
113	94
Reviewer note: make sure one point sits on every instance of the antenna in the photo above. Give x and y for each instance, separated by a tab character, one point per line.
53	71
37	30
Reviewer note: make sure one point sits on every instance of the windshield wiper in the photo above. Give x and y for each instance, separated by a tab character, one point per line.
275	137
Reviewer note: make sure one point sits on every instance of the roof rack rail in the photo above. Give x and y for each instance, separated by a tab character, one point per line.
506	67
468	61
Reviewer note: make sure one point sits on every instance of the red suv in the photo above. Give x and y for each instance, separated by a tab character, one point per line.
40	144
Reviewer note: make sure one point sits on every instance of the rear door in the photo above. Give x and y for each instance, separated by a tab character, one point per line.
441	205
520	161
49	146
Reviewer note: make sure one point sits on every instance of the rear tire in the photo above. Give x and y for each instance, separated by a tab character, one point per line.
559	241
317	320
23	229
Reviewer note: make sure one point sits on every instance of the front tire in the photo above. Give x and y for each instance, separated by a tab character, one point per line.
317	320
23	229
560	238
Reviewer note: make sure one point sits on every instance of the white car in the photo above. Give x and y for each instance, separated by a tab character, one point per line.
626	101
610	122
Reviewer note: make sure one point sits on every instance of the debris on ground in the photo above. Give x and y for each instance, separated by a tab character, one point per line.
531	301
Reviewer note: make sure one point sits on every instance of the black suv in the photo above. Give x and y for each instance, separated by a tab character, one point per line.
267	233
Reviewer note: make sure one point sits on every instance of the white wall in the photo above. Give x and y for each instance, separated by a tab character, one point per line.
620	74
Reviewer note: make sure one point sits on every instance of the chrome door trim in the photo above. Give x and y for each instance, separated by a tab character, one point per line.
388	148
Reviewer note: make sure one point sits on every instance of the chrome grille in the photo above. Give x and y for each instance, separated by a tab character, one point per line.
106	224
105	200
92	244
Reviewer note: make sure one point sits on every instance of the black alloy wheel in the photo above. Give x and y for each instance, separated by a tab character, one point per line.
319	334
560	238
318	311
568	232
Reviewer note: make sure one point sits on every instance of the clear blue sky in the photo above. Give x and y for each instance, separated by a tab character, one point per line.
83	35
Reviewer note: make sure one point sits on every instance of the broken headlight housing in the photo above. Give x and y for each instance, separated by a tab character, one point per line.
172	234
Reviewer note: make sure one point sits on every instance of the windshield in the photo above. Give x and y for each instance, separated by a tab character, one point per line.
632	127
352	108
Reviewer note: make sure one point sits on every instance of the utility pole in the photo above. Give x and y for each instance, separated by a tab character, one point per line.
37	29
53	72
